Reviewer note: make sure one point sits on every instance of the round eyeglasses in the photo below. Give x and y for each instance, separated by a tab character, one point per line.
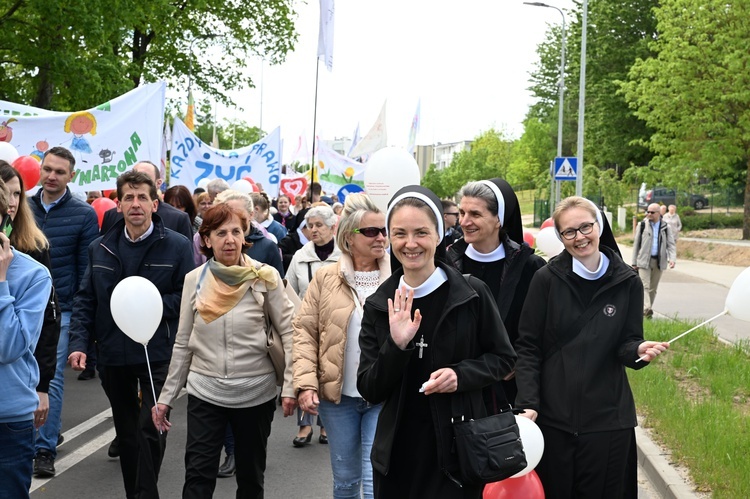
584	229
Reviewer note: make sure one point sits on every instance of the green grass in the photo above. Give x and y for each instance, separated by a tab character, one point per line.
696	399
526	201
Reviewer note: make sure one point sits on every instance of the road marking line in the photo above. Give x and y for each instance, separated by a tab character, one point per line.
86	426
76	457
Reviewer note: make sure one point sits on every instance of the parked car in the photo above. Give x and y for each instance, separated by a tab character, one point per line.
662	195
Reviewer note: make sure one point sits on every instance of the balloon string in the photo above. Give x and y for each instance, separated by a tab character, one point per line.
151	377
689	331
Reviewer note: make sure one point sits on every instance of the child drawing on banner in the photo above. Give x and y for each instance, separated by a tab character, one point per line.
80	124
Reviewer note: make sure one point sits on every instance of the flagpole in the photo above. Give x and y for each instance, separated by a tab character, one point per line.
315	120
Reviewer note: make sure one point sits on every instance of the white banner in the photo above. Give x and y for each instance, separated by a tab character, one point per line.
193	160
106	140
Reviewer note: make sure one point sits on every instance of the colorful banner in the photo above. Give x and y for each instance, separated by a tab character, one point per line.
106	140
193	160
336	170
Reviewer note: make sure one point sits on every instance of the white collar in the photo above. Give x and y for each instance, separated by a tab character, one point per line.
493	256
433	282
581	270
143	236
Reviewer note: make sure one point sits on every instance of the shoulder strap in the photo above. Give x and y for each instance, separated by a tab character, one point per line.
309	272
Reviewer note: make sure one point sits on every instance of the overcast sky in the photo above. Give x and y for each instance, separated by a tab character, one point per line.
468	62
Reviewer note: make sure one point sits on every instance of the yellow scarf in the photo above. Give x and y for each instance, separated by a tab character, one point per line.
220	288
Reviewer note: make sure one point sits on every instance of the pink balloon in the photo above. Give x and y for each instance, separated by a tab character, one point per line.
527	486
101	205
547	223
528	238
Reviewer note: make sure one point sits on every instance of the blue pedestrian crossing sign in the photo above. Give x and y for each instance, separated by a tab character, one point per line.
566	168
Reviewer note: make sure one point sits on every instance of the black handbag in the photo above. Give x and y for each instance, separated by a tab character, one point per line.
488	449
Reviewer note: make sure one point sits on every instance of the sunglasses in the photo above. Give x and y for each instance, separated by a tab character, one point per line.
453	214
371	231
651	212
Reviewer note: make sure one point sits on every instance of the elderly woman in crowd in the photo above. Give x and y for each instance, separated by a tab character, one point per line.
429	337
493	250
326	344
220	353
319	251
579	329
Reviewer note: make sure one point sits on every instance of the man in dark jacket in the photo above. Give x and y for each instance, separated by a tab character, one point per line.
139	245
70	225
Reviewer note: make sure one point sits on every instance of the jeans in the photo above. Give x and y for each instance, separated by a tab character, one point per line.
351	429
306	419
16	459
47	437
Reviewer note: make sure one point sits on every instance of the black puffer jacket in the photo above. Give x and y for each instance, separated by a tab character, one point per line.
581	387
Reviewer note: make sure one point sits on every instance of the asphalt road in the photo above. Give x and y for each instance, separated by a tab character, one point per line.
84	469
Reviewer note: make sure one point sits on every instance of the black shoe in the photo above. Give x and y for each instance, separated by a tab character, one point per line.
302	441
114	448
60	439
86	375
228	468
44	465
323	439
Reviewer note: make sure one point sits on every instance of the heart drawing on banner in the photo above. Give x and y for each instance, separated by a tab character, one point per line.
293	187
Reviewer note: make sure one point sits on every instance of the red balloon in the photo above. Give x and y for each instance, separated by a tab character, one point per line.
528	238
527	486
547	223
29	170
106	192
101	205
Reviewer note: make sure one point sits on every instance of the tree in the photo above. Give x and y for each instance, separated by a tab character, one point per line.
74	55
695	92
531	155
488	157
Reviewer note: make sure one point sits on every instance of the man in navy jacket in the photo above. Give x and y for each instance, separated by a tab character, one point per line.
70	225
138	245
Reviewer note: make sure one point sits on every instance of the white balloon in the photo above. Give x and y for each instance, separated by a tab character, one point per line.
387	171
738	298
137	308
204	182
548	243
533	444
242	185
8	152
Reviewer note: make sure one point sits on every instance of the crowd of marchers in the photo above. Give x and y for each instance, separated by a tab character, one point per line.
388	320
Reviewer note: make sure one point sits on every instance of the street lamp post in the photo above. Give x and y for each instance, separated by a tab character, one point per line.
582	99
555	188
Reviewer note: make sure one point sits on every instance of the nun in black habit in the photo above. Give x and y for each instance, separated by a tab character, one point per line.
494	251
428	335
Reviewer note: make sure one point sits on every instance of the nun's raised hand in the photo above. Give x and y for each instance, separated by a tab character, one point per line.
403	328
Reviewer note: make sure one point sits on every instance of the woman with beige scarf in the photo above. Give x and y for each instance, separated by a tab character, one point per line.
220	353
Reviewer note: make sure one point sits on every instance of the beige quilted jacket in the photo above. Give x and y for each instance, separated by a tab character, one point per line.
320	328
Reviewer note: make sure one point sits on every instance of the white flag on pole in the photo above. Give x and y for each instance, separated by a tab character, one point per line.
355	140
325	33
375	139
415	122
166	141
